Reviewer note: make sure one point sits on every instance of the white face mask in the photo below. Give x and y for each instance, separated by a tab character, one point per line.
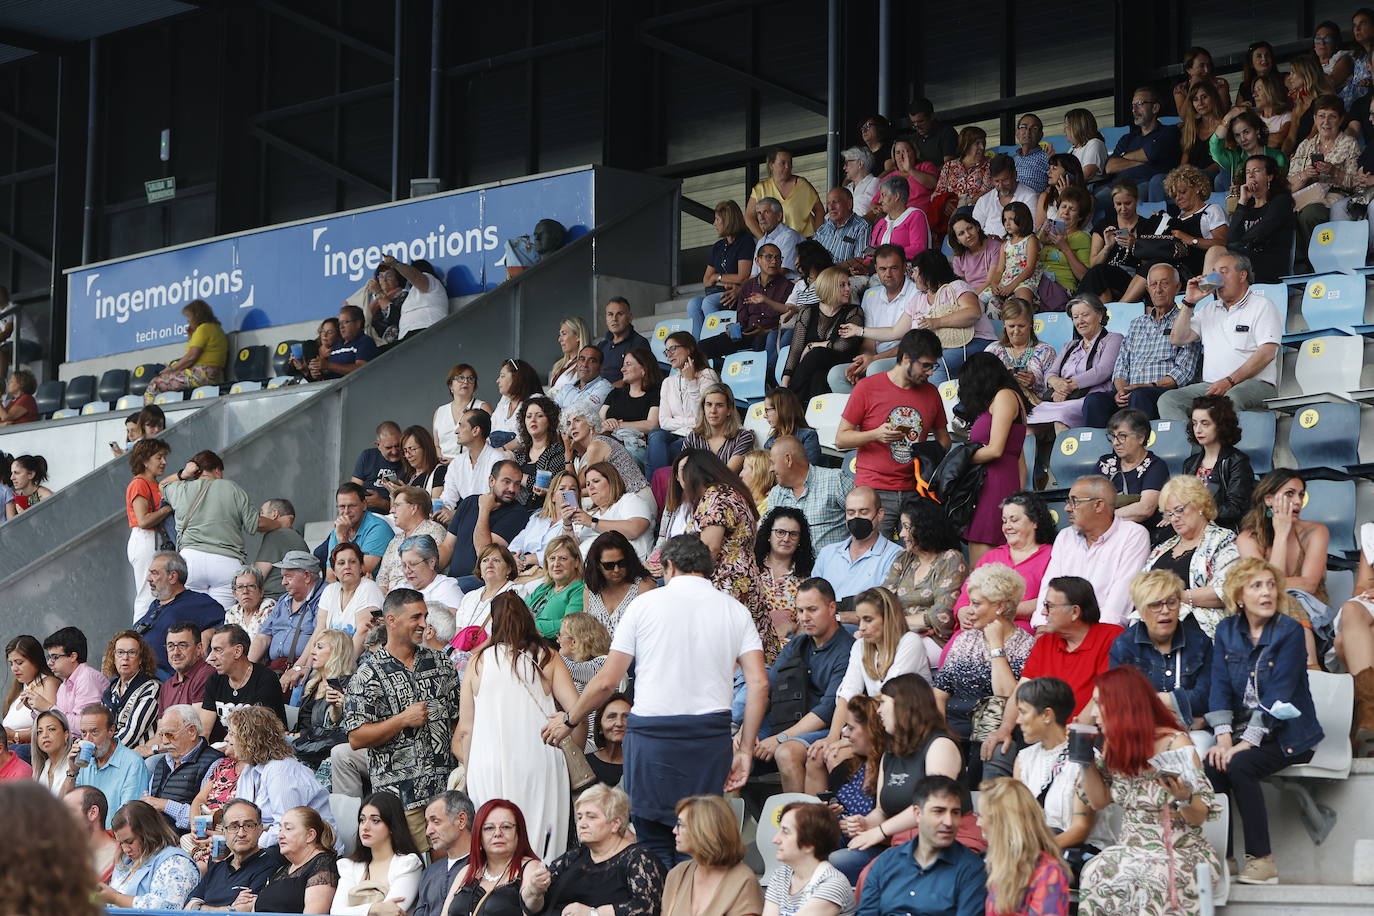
1282	710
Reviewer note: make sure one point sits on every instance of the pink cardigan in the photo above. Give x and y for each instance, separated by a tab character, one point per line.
913	234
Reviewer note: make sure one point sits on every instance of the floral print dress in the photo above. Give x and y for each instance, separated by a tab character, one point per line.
1047	894
933	594
1152	870
737	572
1037	359
1018	259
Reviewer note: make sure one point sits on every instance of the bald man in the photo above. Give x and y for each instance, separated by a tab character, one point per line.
1099	547
862	559
817	492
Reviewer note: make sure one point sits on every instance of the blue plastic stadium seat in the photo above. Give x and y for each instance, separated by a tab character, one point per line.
745	373
1112	136
251	364
80	392
1075	455
1331	302
49	396
1257	439
717	323
114	384
96	407
1054	328
1121	314
1326	436
661	332
129	402
172	397
1059	513
1150	207
203	392
241	387
1340	245
142	375
1332	502
1169	441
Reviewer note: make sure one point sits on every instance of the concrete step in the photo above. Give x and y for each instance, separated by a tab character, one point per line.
675	309
1308	899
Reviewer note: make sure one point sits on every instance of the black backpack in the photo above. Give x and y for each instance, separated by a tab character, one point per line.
789	693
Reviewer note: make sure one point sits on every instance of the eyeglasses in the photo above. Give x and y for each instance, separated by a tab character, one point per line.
489	829
248	587
1074	501
241	826
672	348
1323	40
179	646
1119	438
1049	605
926	364
57	656
786	535
466	379
126	653
1175	513
1172	604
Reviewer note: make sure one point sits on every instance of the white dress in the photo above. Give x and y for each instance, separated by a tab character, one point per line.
18	716
508	759
368	594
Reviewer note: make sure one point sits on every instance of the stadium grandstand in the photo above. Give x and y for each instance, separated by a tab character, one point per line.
687	457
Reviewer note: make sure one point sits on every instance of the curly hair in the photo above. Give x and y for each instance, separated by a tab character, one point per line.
804	560
147	661
41	874
930	526
1187	176
1036	511
259	736
593	640
551	413
144	451
1223	413
999	584
863	712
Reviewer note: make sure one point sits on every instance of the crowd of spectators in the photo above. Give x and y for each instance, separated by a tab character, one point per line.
543	638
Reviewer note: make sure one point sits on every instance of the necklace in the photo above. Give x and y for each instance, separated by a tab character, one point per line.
488	876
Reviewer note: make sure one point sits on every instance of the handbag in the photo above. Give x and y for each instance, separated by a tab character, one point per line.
949	337
1053	296
366	893
1152	249
580	772
986	717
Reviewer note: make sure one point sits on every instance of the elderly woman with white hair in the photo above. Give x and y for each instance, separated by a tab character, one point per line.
585	445
420	563
902	225
608	872
1200	552
859	179
982	662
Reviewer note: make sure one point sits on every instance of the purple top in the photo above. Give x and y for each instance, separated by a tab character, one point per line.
1073	364
974	267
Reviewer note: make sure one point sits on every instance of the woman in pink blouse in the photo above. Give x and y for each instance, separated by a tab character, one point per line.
975	253
1029	530
902	224
920	176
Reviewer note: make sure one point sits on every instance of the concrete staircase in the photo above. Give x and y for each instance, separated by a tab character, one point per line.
1307	899
672	308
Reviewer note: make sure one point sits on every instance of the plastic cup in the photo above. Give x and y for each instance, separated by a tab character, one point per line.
217	847
87	752
1209	282
438	504
202	825
1081	741
298	351
542	478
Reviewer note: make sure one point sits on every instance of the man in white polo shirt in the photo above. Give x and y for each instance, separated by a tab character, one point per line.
883	304
1240	332
678	738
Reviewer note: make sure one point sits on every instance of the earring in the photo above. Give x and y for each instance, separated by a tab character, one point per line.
1268	512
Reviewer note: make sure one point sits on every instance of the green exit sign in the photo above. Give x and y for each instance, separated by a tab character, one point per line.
160	189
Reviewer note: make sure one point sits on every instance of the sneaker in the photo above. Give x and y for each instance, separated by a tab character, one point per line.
1259	870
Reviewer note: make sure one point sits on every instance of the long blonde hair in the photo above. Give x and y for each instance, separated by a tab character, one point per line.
1017	837
340	663
584	337
878	656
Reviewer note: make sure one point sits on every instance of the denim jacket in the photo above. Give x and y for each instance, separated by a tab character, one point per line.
1185	672
1279	662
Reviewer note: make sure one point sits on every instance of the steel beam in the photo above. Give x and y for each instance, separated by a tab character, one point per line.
28	251
524	55
40	171
327	103
763	85
327	31
316	160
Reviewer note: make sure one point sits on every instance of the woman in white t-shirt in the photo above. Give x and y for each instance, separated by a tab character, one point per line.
612	509
426	301
348	603
805	882
496	569
1085	142
516	381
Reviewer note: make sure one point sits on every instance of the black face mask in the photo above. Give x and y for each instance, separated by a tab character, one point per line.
859	528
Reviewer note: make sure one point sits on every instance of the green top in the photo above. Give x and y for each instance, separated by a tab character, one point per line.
219	525
1232	159
551	607
1055	261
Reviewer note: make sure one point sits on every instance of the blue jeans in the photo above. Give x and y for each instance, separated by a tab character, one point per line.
698	307
851	862
662	448
953	360
1099	406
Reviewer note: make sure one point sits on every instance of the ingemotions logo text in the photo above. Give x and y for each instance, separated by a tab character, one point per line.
194	285
439	243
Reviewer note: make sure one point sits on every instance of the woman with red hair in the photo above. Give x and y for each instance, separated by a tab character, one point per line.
1150	768
502	867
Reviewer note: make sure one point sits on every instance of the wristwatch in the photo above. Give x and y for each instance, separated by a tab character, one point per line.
568	723
297	668
997	653
783	736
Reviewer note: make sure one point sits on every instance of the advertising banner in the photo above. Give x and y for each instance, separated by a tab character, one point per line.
303	271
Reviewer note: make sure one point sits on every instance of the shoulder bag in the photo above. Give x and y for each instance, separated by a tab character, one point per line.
580	773
942	306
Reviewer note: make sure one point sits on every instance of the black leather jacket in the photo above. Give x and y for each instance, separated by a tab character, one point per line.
1231	483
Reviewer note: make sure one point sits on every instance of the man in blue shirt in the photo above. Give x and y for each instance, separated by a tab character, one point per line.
354	523
380	463
353	352
932	875
174	603
844	233
621	337
248	865
812	664
861	560
117	771
285	634
590	387
492	517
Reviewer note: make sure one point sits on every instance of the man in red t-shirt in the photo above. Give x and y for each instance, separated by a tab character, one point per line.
1075	647
889	412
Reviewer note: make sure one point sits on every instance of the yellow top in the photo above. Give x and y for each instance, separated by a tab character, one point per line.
213	343
797	210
